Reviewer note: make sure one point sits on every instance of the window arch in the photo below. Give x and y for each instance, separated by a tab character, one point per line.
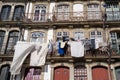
5	12
40	12
61	73
100	72
12	39
2	35
80	72
37	37
18	12
4	72
33	73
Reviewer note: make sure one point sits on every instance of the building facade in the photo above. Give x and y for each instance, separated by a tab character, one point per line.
46	21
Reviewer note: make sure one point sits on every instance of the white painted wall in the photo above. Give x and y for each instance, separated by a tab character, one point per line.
51	9
50	35
47	72
25	34
29	10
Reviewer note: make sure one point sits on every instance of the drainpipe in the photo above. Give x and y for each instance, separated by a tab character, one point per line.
109	51
109	63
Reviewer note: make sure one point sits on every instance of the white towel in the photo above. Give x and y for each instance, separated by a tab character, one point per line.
97	42
77	49
22	50
38	56
62	44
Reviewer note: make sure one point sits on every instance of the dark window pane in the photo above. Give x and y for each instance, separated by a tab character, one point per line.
18	13
2	35
13	38
5	12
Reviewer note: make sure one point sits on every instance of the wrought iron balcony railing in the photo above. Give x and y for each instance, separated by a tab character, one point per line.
102	51
65	16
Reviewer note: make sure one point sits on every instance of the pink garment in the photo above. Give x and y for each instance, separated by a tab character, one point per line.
31	74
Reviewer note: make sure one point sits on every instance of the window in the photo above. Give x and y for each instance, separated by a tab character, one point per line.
96	6
80	73
62	35
117	72
5	12
89	6
4	72
78	35
2	35
37	37
78	10
93	12
95	34
13	38
33	74
63	12
18	13
40	13
96	39
113	36
112	10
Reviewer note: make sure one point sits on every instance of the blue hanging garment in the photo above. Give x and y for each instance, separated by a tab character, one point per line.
60	50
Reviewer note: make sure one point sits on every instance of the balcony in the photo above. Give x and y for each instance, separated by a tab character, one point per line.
100	53
83	16
65	16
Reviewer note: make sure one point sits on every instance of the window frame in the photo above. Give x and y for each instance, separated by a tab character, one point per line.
40	16
37	36
12	40
80	72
